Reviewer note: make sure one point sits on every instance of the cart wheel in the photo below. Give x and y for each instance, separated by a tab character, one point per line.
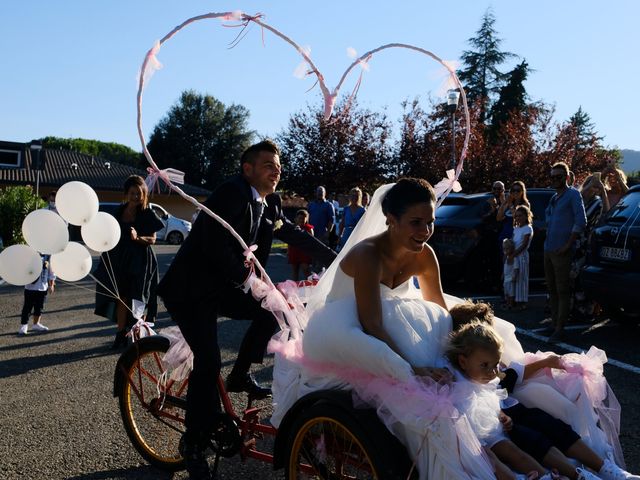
327	443
154	423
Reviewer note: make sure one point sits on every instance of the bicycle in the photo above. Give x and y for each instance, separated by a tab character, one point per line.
321	436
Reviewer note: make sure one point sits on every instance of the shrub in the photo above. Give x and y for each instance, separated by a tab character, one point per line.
15	204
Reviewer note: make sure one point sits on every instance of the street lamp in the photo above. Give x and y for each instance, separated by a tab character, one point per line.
452	106
36	148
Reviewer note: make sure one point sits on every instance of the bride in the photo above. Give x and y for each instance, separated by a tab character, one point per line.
367	320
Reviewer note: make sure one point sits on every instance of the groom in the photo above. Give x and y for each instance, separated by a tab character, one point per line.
207	278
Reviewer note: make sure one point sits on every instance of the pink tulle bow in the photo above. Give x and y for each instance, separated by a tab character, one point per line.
248	253
590	367
168	175
152	64
234	16
449	181
141	329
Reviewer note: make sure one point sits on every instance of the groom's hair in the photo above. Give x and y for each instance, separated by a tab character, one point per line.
407	192
250	155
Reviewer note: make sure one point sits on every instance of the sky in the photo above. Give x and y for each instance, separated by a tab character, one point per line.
69	68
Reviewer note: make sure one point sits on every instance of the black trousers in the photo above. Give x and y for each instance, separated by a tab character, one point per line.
535	431
198	324
33	300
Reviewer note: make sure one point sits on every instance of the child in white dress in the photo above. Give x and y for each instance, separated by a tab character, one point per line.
525	439
522	235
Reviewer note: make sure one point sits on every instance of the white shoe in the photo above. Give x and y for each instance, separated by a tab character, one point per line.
611	471
584	474
38	327
23	329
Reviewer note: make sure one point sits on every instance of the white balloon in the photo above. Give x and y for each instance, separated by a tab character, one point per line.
20	264
77	203
45	231
102	233
73	264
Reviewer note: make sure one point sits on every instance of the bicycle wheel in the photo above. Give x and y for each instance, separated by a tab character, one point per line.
327	443
152	410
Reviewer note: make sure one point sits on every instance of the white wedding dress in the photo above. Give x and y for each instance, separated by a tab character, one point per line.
334	352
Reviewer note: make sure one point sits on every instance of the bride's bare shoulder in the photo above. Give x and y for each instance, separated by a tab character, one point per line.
367	252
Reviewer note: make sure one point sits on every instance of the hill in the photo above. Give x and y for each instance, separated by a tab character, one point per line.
630	161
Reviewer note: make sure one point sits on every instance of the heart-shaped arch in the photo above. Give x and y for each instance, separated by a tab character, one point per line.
151	63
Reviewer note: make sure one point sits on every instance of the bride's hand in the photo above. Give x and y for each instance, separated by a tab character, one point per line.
438	374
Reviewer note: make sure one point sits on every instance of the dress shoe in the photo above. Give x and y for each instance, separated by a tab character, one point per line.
246	383
196	462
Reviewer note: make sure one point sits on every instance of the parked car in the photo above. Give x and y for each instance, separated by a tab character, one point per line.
175	229
467	247
611	275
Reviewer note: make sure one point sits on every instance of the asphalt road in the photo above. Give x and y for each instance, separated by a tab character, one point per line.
60	420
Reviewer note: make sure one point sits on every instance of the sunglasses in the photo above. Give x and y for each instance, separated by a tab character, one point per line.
557	177
516	190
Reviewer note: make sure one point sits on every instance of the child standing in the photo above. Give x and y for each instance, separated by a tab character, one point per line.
35	295
522	235
534	439
297	258
509	273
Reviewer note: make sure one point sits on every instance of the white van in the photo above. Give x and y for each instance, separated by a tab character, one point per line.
175	229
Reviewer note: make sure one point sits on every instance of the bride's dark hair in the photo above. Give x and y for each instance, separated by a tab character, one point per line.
408	191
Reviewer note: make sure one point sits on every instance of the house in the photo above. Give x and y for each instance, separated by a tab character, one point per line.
19	162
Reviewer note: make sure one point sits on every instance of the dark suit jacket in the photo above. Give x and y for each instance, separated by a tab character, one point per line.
211	261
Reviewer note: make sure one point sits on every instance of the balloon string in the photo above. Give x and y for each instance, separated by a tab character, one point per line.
109	295
113	295
112	274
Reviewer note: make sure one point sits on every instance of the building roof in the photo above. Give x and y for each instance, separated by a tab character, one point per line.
62	166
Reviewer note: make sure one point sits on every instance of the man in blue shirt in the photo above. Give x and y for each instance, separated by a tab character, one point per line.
565	221
321	215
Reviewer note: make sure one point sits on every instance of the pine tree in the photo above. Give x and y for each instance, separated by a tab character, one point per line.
480	75
512	99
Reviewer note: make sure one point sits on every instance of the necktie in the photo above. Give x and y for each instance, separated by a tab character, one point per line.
256	209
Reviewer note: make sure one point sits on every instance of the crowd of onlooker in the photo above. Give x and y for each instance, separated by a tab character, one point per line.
329	222
571	215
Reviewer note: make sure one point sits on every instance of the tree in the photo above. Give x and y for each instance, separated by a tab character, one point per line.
113	152
202	137
480	75
15	205
351	149
512	99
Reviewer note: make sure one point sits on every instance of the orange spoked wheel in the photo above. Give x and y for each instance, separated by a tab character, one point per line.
327	443
151	405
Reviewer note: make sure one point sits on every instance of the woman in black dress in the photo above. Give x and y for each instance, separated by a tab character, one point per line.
132	263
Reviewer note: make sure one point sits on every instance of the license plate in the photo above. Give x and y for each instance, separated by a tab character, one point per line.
612	253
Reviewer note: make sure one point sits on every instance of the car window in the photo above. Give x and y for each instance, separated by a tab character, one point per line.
626	210
159	212
449	211
453	206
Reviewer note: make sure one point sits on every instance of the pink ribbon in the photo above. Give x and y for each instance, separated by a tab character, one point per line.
141	329
168	175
